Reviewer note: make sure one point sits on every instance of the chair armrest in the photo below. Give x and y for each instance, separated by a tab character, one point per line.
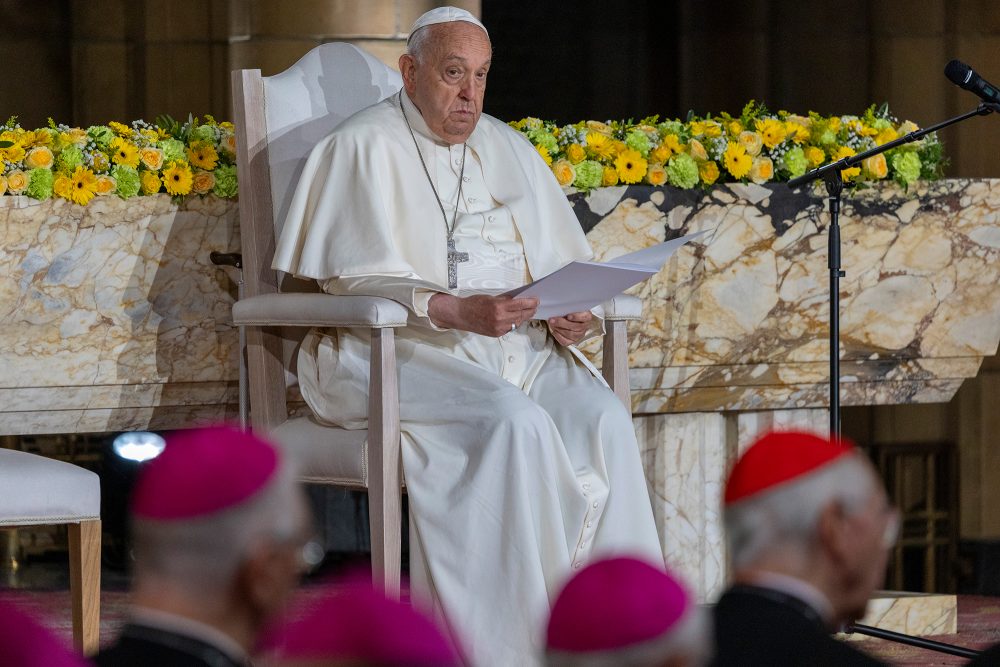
623	307
319	310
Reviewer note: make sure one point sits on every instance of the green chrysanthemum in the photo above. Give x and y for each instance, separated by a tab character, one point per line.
682	170
638	141
40	183
588	175
225	182
102	135
906	166
204	133
542	138
70	158
173	150
795	162
127	179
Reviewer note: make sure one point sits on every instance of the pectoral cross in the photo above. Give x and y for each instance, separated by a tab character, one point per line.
454	257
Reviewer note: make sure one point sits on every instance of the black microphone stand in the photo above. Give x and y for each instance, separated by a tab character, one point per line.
831	176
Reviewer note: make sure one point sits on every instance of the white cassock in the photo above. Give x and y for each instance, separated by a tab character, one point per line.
520	464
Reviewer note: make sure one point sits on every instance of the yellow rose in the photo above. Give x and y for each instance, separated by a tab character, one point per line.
62	186
751	142
576	153
617	147
840	154
734	128
761	170
656	174
17	181
712	129
876	166
697	151
907	127
697	128
815	155
709	172
228	144
74	136
564	172
797	131
105	185
598	126
673	142
150	182
885	136
39	157
203	182
151	158
660	154
3	184
13	153
610	177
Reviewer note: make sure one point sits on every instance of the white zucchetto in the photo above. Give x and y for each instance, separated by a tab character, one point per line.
445	15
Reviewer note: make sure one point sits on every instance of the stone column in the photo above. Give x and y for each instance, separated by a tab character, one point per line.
687	457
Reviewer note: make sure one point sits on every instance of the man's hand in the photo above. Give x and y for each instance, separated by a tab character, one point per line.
570	329
481	313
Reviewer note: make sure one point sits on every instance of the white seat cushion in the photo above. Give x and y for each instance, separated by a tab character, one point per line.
325	453
38	490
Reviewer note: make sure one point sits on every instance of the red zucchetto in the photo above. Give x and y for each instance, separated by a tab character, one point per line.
203	471
781	457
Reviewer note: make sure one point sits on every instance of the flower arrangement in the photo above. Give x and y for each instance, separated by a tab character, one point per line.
758	146
195	157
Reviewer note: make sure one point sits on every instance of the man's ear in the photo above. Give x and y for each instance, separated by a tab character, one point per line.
833	532
264	579
407	68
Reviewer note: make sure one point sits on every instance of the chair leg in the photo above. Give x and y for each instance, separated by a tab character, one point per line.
384	466
85	584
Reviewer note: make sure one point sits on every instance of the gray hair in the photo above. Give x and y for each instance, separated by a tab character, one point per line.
786	518
689	638
204	554
420	42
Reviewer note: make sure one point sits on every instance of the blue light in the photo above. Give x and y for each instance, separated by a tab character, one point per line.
138	446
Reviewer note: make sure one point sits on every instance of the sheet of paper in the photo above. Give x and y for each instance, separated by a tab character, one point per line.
580	286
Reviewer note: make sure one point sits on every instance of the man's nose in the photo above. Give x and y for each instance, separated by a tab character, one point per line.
467	90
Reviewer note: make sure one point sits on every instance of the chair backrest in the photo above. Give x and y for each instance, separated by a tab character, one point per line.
279	119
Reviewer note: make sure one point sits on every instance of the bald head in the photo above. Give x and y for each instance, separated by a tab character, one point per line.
444	74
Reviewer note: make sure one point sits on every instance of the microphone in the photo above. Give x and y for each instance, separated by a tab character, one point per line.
964	76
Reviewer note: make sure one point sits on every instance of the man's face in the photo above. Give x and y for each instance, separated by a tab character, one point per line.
448	85
872	531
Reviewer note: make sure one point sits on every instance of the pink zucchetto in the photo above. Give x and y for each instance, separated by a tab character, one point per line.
24	642
350	622
446	15
203	471
615	604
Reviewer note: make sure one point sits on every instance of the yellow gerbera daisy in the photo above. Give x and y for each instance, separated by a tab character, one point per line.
736	159
203	155
630	165
124	152
673	142
177	178
841	153
772	131
544	152
121	129
83	186
599	145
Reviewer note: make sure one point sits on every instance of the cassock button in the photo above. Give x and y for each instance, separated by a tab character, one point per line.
589	524
586	486
492	218
595	505
466	179
577	566
511	358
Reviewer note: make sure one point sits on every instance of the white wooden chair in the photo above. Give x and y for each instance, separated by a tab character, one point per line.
42	491
278	121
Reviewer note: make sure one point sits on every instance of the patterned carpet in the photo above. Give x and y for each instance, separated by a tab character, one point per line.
47	598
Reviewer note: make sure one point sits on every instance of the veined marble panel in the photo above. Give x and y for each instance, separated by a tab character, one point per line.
739	319
914	614
114	307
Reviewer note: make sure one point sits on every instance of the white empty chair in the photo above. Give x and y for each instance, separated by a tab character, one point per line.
35	490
